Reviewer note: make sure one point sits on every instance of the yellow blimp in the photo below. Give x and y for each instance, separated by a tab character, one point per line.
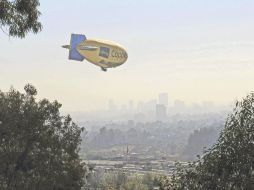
103	53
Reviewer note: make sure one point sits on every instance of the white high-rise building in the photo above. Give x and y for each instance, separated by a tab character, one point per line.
163	99
111	105
131	105
161	112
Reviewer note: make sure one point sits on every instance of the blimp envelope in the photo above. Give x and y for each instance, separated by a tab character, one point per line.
103	53
75	40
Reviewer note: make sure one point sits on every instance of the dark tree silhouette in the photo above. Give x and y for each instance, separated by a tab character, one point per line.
19	17
229	164
38	147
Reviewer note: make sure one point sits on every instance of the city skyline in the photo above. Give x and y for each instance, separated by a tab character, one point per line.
161	99
160	108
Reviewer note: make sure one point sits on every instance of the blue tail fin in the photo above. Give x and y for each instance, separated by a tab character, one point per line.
73	53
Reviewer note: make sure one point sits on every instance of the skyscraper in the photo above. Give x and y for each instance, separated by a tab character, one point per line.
161	112
163	99
111	105
131	106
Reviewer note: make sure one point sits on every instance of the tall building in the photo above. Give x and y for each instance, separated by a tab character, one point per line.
150	105
161	112
111	105
179	107
163	99
131	105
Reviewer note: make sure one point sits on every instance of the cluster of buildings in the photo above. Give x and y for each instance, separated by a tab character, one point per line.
153	110
157	109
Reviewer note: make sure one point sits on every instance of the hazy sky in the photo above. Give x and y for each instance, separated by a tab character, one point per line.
195	50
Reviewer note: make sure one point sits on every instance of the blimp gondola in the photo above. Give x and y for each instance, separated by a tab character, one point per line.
103	53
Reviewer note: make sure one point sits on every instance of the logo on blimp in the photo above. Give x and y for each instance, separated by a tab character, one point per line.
104	52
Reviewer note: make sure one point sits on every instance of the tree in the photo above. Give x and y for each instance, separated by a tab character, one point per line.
19	17
229	164
38	147
134	183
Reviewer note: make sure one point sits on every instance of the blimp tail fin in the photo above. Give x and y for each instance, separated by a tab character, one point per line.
76	39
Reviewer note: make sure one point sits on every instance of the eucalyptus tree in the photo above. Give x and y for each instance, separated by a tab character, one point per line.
39	148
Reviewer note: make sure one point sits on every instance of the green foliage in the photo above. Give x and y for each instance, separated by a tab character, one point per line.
121	180
229	164
134	183
114	180
163	182
38	146
20	17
